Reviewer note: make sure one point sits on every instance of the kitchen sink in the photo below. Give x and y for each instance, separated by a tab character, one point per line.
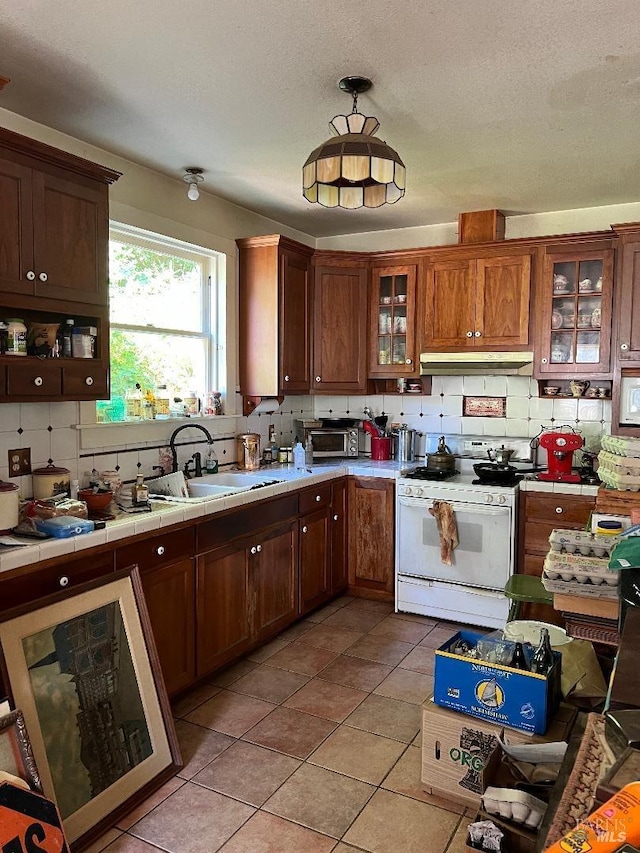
211	490
248	479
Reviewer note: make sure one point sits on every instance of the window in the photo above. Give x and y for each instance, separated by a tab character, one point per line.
164	316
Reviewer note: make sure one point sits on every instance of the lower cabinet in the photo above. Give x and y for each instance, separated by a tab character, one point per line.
538	514
246	592
371	536
169	594
338	537
315	584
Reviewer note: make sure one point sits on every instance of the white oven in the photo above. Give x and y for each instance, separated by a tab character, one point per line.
471	589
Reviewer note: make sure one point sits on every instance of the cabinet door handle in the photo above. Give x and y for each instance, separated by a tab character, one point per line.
38	381
477	334
258	548
624	347
408	361
63	581
88	380
318	378
335	517
304	528
43	276
286	378
559	510
160	550
318	498
469	334
544	361
31	276
254	550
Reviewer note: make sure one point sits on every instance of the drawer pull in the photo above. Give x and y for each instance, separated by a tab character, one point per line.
31	276
469	334
318	378
88	380
38	381
43	276
408	361
335	517
477	334
318	498
559	510
304	528
160	550
63	581
254	550
259	548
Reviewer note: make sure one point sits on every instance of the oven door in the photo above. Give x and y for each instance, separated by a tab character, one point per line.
327	443
483	558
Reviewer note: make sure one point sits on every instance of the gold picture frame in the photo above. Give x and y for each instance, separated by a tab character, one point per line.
16	755
84	670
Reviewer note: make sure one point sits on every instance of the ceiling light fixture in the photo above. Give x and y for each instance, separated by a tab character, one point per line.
193	177
354	168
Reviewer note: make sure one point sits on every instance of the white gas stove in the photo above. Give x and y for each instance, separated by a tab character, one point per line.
470	590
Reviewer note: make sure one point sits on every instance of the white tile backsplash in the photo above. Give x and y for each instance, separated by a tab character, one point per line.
473	385
34	415
495	386
452	385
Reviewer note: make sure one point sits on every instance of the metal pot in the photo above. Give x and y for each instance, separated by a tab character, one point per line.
501	456
442	460
403	443
248	451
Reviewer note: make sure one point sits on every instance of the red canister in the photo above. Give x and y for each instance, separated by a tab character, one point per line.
380	448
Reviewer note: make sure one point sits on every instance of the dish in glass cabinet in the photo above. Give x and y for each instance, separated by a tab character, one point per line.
596	318
556	320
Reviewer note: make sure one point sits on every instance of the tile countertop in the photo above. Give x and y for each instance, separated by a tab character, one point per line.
167	514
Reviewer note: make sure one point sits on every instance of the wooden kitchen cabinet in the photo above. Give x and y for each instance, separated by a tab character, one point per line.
314	552
371	536
392	322
338	537
479	302
538	514
628	297
275	316
339	327
575	299
274	581
54	231
169	592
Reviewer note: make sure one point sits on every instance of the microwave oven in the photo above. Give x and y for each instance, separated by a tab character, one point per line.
630	400
328	442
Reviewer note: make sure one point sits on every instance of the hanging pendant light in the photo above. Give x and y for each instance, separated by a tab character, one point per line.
354	168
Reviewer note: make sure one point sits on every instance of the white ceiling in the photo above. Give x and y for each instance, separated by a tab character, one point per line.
523	105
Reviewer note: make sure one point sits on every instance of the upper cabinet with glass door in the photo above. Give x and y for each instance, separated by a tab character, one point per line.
575	334
392	317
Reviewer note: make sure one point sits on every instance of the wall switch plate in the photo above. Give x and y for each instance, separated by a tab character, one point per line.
20	462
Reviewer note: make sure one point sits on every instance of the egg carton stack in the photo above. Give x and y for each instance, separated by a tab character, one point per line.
619	463
578	564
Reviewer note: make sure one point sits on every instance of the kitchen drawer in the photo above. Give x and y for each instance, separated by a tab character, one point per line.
157	551
316	498
537	534
222	529
34	379
28	586
85	379
533	564
561	510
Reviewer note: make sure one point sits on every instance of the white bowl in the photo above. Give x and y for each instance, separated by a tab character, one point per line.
528	631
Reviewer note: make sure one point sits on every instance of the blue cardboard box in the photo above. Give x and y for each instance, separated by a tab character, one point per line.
495	693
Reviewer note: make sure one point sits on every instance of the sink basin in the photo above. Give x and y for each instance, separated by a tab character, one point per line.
236	478
213	490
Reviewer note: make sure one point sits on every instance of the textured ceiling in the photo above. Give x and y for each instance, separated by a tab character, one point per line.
525	106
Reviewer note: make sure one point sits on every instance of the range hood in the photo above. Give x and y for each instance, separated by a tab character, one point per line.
476	363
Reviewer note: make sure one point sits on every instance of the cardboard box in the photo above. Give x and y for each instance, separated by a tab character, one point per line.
456	748
495	693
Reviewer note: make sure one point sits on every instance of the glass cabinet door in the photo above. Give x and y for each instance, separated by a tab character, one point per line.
392	312
579	318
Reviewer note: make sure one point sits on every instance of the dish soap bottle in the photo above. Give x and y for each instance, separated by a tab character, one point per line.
211	462
140	492
298	456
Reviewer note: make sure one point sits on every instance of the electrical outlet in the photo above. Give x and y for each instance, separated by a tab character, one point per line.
19	462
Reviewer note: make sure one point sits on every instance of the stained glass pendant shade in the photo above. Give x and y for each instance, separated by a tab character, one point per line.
353	168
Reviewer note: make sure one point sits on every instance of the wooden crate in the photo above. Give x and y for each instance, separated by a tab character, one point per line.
617	503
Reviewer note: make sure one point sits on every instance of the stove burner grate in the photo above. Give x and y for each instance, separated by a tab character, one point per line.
497	483
422	473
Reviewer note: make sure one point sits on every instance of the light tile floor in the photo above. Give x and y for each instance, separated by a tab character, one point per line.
310	744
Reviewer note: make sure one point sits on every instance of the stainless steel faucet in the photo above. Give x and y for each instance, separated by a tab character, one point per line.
172	442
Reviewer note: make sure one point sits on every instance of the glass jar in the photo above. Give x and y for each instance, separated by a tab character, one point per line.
16	337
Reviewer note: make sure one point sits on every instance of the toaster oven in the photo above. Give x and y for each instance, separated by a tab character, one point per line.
328	442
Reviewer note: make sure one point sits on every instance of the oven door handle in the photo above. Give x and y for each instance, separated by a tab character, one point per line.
458	506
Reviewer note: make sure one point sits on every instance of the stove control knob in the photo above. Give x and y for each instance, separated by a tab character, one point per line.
489	499
407	490
502	499
418	492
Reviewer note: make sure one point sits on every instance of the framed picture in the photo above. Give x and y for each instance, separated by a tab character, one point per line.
84	670
484	407
16	756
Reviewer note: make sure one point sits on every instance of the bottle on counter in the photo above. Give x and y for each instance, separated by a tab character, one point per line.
273	444
211	462
139	491
298	456
133	404
542	659
163	403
